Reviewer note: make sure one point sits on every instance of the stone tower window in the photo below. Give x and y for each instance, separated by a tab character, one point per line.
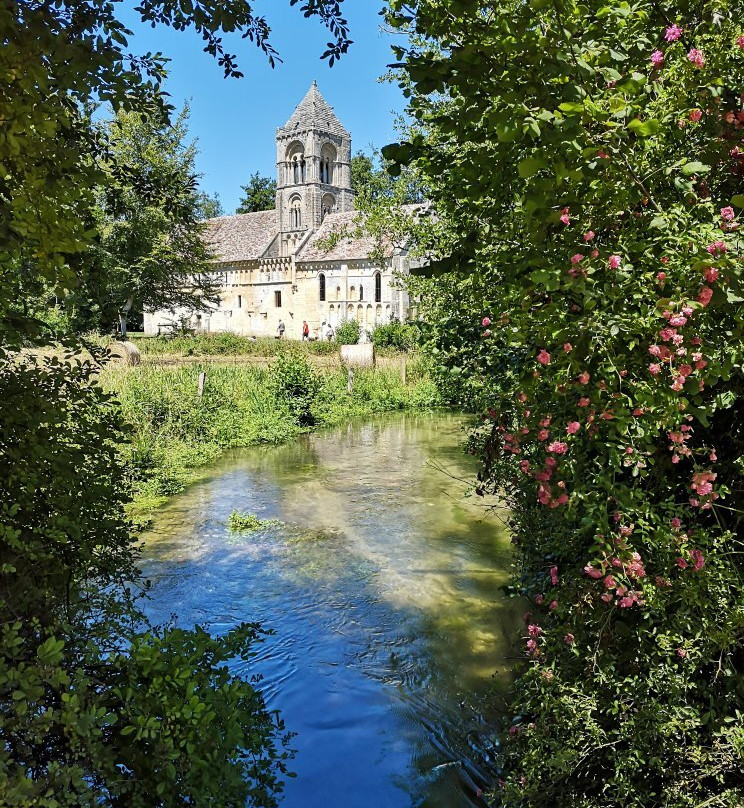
328	205
327	160
361	292
321	287
296	165
295	213
378	287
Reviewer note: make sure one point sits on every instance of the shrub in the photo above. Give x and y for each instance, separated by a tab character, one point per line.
347	332
401	336
244	521
296	383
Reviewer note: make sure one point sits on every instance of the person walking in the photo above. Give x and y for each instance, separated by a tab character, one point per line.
280	329
305	330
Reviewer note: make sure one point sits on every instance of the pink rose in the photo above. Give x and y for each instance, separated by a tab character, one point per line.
695	115
592	572
543	357
657	58
584	402
573	427
654	369
557	447
569	639
716	247
673	33
711	274
704	295
681	653
565	215
584	378
577	259
554	576
727	214
615	261
589	235
661	277
486	322
696	57
740	42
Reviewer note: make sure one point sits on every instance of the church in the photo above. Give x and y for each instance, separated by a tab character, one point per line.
279	265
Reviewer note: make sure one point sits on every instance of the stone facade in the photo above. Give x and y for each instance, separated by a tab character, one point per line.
274	265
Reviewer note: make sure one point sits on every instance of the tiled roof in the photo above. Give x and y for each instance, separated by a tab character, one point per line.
314	112
244	237
349	247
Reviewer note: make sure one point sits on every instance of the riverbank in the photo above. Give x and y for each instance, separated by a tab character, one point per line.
175	433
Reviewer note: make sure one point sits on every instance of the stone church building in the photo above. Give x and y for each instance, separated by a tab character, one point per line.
274	265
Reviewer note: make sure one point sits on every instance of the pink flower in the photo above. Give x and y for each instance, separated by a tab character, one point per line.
539	599
654	369
565	215
661	277
532	648
584	402
609	582
543	357
657	58
698	560
554	576
696	57
704	295
543	434
615	261
486	322
681	653
573	427
534	630
556	447
681	563
524	465
727	214
716	247
576	259
584	378
740	41
569	639
695	115
711	274
677	320
553	605
592	572
567	347
673	33
589	235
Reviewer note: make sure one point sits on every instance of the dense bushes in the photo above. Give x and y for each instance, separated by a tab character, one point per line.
401	336
586	163
225	344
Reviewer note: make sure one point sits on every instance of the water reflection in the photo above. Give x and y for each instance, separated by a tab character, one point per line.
383	587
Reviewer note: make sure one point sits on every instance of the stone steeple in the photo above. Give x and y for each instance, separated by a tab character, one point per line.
313	158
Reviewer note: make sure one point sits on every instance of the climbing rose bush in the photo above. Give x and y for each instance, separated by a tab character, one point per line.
586	163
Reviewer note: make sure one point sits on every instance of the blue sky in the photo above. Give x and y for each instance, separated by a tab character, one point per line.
235	120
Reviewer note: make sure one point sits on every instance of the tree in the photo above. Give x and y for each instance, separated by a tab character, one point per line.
259	194
585	164
152	251
209	207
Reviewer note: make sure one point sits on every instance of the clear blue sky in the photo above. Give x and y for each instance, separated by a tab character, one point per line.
235	120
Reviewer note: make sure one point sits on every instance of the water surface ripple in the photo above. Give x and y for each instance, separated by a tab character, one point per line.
382	583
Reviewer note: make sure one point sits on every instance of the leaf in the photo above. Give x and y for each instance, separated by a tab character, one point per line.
530	166
644	128
694	167
738	200
571	108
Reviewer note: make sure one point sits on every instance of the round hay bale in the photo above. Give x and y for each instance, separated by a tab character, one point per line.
127	352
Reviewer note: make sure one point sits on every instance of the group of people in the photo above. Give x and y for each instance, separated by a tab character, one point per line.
326	331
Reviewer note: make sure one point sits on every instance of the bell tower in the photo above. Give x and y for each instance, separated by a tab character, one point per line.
313	162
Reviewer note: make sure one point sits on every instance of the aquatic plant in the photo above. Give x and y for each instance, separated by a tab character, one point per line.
239	521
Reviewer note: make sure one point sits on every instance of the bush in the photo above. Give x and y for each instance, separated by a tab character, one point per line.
401	336
347	332
296	383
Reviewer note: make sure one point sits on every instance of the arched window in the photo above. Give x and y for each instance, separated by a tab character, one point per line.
378	287
296	166
295	213
327	160
328	205
321	287
361	292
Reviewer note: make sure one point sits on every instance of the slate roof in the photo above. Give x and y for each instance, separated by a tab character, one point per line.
314	112
244	237
349	247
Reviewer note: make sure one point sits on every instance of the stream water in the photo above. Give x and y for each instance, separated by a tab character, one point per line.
383	584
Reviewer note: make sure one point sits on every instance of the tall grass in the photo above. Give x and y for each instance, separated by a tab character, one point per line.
175	433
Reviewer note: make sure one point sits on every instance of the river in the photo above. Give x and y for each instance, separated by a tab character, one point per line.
382	582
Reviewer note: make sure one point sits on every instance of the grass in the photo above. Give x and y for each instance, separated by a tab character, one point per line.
175	434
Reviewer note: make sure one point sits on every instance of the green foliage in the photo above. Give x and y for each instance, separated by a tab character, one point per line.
244	521
226	344
208	207
347	332
402	336
296	384
259	194
586	201
98	708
